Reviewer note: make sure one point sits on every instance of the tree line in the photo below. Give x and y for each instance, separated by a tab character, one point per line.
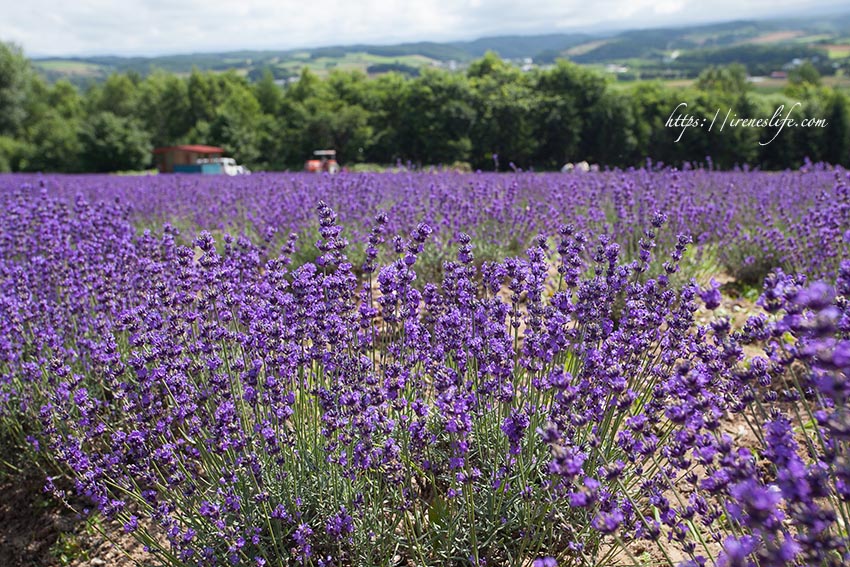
492	115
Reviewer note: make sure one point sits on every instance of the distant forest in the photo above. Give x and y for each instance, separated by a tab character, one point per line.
491	115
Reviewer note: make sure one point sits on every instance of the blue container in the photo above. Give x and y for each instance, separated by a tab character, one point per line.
203	168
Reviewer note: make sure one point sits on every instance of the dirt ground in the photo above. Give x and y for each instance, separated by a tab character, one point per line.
38	531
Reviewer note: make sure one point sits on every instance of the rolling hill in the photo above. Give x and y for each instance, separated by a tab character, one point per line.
762	45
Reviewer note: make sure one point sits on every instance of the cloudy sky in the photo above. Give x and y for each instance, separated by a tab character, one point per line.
154	27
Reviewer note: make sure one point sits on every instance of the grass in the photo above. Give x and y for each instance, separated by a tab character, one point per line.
72	548
837	51
358	61
838	82
586	47
68	549
735	289
813	38
71	67
775	37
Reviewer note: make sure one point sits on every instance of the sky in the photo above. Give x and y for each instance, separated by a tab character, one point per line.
157	27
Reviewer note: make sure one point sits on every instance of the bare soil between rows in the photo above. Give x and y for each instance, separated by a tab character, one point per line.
36	530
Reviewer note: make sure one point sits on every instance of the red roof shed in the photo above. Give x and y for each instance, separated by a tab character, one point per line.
167	158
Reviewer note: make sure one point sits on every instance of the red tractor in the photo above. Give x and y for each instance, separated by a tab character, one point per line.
325	160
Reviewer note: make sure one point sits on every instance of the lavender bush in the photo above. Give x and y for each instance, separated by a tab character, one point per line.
742	222
245	400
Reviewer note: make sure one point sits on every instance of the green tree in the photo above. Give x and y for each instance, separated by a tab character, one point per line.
16	76
387	114
612	138
505	123
164	109
778	147
349	87
114	143
13	154
308	85
118	95
55	144
804	73
439	114
235	124
65	99
54	135
653	105
204	96
568	92
729	79
535	119
268	94
811	142
837	114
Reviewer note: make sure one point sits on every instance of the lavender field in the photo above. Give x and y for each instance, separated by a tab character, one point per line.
436	368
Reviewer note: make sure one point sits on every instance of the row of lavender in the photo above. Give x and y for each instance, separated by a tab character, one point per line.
231	406
743	223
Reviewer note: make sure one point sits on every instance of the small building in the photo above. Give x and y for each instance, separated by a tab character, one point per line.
167	158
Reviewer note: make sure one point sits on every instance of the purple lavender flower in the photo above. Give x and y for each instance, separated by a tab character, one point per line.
711	296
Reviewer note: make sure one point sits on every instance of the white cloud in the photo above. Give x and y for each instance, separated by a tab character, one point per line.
147	27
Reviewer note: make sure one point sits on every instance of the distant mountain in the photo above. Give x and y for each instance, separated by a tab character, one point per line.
652	42
521	47
762	45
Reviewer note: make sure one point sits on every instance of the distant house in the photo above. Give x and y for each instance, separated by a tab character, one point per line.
167	158
779	75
